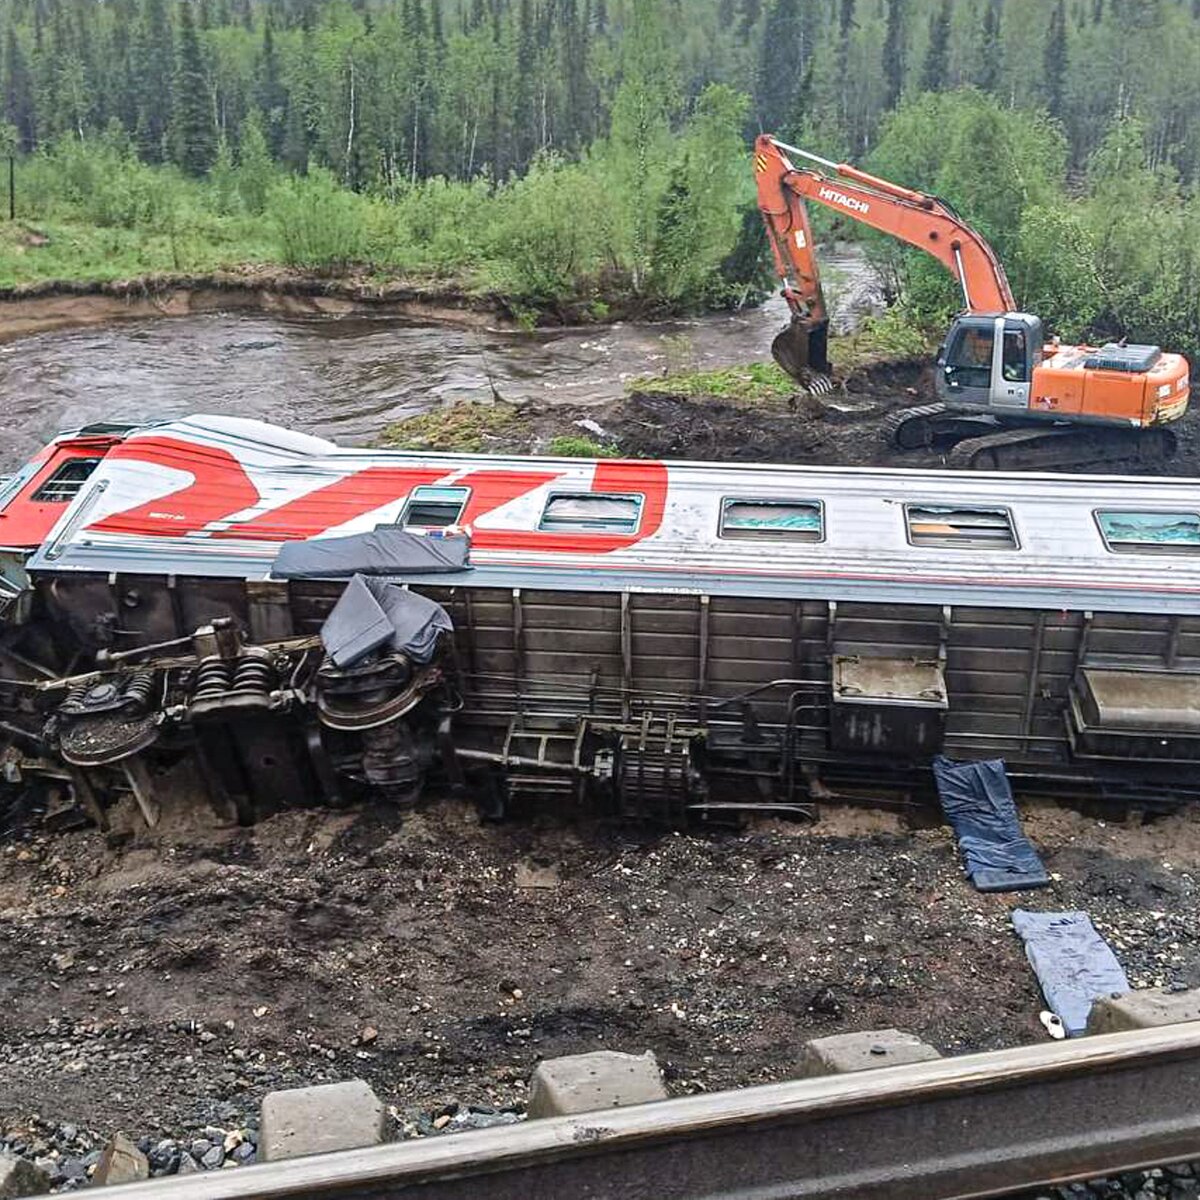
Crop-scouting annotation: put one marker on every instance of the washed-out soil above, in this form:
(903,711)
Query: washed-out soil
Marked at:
(166,983)
(845,428)
(294,292)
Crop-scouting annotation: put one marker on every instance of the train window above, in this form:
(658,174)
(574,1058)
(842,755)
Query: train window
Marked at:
(775,520)
(65,483)
(435,507)
(1151,532)
(591,512)
(935,525)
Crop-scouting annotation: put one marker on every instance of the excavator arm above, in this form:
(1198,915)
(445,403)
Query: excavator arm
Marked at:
(912,217)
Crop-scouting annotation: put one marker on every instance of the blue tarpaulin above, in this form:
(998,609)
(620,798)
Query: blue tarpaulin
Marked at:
(978,803)
(1073,963)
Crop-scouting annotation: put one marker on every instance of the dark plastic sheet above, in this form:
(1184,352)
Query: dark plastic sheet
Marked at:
(978,802)
(383,551)
(1073,963)
(372,613)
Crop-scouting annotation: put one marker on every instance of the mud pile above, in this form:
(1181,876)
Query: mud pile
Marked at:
(845,428)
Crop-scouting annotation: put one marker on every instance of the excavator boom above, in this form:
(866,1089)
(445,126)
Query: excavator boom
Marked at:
(912,217)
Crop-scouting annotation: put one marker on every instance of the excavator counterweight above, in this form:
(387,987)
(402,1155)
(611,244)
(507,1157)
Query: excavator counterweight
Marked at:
(1006,398)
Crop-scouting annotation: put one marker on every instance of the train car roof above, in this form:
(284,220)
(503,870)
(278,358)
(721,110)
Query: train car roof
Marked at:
(217,496)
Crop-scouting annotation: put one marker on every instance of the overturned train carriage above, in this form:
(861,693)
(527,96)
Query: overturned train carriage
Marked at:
(669,641)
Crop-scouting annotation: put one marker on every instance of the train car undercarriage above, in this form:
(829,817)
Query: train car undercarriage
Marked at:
(666,708)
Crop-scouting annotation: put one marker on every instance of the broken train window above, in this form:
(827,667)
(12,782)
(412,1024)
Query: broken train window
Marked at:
(773,520)
(435,507)
(954,526)
(1150,532)
(66,482)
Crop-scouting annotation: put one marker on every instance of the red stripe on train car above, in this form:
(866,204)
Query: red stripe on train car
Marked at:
(219,486)
(334,504)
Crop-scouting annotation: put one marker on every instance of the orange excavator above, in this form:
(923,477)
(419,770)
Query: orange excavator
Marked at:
(1006,398)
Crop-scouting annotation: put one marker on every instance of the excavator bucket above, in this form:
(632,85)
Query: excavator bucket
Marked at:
(802,350)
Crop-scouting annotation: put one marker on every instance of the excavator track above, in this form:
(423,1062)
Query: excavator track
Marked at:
(931,425)
(1076,446)
(979,442)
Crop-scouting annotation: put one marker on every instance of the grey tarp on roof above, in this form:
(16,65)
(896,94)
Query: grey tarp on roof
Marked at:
(1073,963)
(372,613)
(383,551)
(978,803)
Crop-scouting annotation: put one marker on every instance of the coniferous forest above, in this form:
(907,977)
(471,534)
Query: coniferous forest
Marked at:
(567,149)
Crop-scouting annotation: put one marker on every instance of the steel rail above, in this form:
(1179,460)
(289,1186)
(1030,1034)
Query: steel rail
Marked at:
(975,1126)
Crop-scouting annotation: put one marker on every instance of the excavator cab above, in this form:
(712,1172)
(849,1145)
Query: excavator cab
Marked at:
(987,362)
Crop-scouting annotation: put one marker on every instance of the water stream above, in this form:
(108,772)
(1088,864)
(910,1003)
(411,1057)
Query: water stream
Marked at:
(347,378)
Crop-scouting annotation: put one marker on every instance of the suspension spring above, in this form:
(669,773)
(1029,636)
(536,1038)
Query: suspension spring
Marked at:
(254,675)
(139,689)
(212,679)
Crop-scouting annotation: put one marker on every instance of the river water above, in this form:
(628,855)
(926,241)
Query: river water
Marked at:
(346,378)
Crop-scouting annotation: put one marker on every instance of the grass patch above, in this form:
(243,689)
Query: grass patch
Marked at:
(54,250)
(467,428)
(568,446)
(752,382)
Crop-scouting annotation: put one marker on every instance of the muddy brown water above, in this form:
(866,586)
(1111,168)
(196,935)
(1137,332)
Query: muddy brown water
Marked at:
(346,378)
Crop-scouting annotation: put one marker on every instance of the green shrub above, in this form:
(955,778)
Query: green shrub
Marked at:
(317,222)
(549,231)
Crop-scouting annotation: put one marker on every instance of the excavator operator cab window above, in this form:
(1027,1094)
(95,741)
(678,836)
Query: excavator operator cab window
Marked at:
(1014,365)
(969,356)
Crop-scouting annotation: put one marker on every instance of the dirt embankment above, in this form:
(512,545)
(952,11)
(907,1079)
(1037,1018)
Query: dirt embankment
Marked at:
(39,308)
(165,984)
(282,291)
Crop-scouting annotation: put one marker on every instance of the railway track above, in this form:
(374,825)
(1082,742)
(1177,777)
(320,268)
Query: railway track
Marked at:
(976,1126)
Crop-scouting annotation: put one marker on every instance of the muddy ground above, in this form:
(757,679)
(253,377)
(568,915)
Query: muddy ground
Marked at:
(844,428)
(167,983)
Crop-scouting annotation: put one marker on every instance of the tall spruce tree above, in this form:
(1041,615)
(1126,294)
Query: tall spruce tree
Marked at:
(192,127)
(19,110)
(153,62)
(1054,61)
(936,67)
(751,11)
(437,29)
(989,66)
(524,125)
(782,61)
(272,95)
(573,56)
(894,53)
